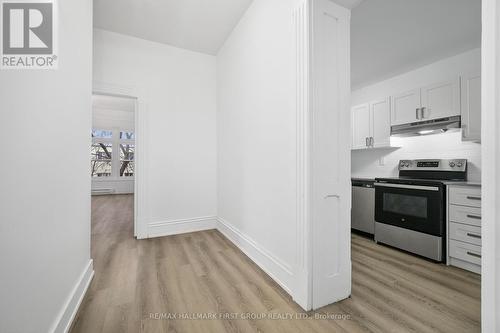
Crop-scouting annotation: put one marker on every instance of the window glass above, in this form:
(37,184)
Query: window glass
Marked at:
(126,160)
(100,159)
(103,134)
(127,135)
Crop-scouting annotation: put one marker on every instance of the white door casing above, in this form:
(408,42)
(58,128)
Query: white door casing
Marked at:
(330,153)
(490,155)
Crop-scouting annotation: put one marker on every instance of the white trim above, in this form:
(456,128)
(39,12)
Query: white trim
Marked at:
(490,101)
(70,308)
(302,105)
(278,270)
(182,226)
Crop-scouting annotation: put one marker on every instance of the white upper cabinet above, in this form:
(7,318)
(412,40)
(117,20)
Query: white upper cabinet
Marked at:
(405,107)
(371,126)
(360,126)
(381,123)
(471,107)
(440,100)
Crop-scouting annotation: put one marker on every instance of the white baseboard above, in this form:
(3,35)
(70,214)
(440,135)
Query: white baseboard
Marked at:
(175,227)
(280,272)
(70,308)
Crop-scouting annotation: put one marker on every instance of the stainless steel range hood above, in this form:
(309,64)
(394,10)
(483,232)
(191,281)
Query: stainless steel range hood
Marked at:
(426,127)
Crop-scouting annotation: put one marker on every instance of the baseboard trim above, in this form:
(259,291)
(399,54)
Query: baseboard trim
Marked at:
(175,227)
(70,308)
(280,272)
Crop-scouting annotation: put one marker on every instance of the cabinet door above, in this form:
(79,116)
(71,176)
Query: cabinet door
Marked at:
(381,122)
(441,100)
(471,107)
(360,126)
(405,107)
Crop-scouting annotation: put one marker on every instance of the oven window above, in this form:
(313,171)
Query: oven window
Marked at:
(408,205)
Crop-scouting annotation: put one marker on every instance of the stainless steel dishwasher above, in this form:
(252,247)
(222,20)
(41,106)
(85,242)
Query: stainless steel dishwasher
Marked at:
(363,205)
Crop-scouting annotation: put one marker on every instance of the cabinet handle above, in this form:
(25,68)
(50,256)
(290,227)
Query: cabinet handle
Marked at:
(473,235)
(366,141)
(474,217)
(416,113)
(372,141)
(474,198)
(474,254)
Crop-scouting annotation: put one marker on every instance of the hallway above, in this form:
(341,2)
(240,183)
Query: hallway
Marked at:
(139,286)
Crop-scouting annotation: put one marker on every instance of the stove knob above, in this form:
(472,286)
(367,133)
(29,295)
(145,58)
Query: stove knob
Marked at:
(459,164)
(452,164)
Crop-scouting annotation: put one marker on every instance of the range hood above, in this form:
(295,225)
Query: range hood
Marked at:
(426,127)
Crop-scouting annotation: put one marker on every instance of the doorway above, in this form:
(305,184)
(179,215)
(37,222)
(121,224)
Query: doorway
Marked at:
(401,83)
(112,153)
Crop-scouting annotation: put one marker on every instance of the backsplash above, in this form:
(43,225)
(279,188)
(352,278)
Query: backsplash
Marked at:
(367,163)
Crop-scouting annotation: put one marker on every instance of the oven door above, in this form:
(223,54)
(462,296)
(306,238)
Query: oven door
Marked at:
(414,207)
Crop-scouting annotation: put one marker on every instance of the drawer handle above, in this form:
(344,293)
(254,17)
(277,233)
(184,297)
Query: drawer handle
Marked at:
(473,235)
(474,254)
(474,198)
(474,217)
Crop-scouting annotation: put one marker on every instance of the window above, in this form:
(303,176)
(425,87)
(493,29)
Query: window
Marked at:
(126,160)
(101,156)
(112,153)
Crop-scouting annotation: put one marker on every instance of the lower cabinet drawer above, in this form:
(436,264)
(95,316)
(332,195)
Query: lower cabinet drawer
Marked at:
(465,233)
(465,251)
(463,214)
(465,196)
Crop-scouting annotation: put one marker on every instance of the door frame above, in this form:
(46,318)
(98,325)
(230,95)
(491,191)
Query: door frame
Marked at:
(108,89)
(490,158)
(312,266)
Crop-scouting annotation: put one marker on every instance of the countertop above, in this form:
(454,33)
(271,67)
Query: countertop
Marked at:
(363,179)
(466,183)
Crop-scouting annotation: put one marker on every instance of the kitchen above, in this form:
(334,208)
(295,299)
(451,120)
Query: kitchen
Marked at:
(416,134)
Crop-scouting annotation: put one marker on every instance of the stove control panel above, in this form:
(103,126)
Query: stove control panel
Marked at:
(459,165)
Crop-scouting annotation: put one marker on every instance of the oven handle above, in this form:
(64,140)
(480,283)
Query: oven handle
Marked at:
(411,187)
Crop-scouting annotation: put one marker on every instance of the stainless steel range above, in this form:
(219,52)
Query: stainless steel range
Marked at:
(410,210)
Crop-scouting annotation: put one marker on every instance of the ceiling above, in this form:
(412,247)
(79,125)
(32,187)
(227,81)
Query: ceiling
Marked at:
(390,37)
(197,25)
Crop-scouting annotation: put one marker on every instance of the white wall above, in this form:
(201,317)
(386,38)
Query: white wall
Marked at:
(45,201)
(256,130)
(367,163)
(176,90)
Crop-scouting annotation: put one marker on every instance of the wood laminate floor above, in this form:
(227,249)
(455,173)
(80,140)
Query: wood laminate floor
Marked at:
(139,286)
